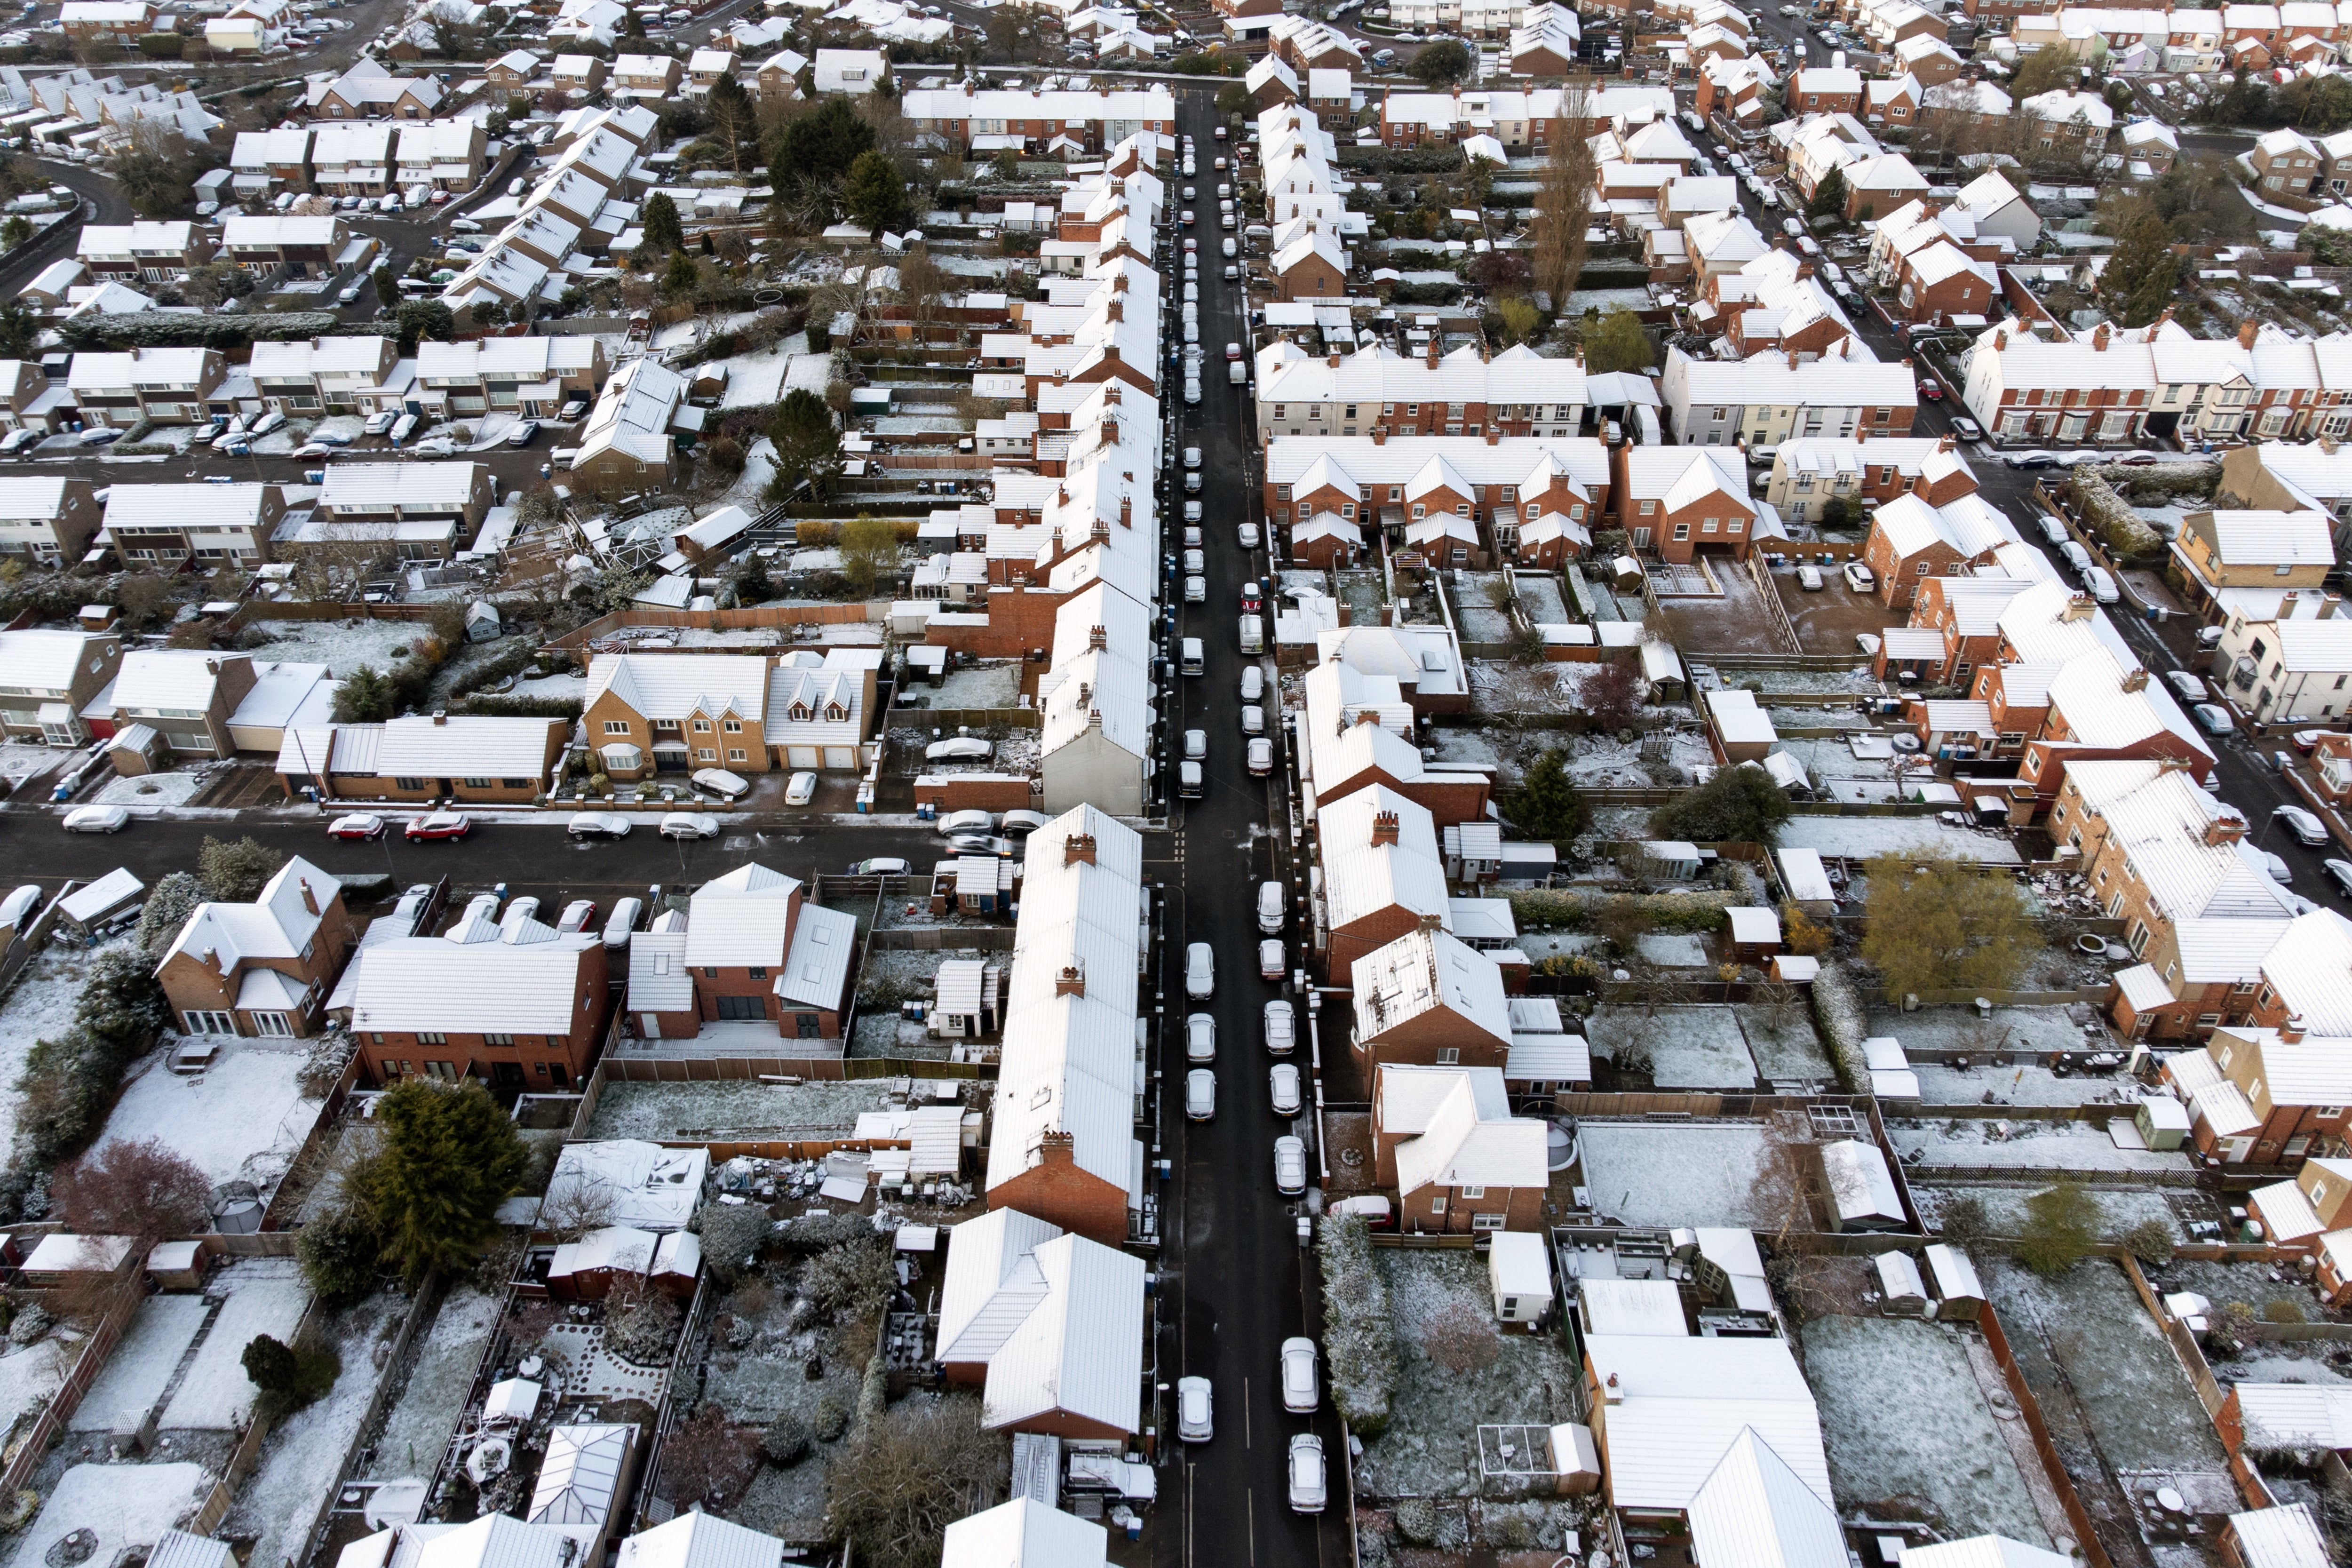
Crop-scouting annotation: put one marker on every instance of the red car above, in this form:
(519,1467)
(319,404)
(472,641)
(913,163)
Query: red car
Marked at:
(439,825)
(358,825)
(1251,602)
(1931,389)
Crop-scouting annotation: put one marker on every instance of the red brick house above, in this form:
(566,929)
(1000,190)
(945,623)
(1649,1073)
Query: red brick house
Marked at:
(753,952)
(1312,267)
(2262,1097)
(264,968)
(1681,499)
(1430,1000)
(521,1007)
(1445,1140)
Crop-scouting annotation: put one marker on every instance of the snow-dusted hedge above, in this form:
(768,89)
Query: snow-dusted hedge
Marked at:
(1562,909)
(1356,1343)
(2125,533)
(1838,1012)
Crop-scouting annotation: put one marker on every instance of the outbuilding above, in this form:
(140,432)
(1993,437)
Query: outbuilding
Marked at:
(1861,1188)
(1522,1275)
(1952,1279)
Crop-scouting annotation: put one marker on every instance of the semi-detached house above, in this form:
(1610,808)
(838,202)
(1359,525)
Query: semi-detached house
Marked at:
(458,494)
(1776,398)
(166,386)
(48,678)
(446,154)
(165,527)
(306,375)
(142,251)
(269,244)
(48,519)
(533,376)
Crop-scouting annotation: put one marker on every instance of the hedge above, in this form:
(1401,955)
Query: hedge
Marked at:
(522,707)
(171,329)
(1558,909)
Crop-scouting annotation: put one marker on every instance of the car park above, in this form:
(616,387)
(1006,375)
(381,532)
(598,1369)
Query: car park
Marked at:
(97,819)
(1200,1095)
(2213,718)
(1200,971)
(2306,828)
(1858,577)
(1195,1409)
(1272,963)
(1300,1391)
(801,790)
(690,825)
(360,825)
(597,824)
(435,825)
(1200,1037)
(1289,1166)
(721,783)
(1282,1083)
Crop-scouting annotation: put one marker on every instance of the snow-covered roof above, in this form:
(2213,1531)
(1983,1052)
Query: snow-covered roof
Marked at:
(743,917)
(1756,1509)
(642,1186)
(699,1540)
(1463,1134)
(1675,1406)
(1424,970)
(1023,1533)
(580,1480)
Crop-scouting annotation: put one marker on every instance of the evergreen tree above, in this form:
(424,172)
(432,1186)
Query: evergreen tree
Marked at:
(1617,343)
(1829,197)
(1446,60)
(874,194)
(236,871)
(734,123)
(657,222)
(170,902)
(451,1157)
(367,698)
(1740,804)
(680,276)
(269,1365)
(823,146)
(806,443)
(752,583)
(2142,273)
(426,319)
(1546,804)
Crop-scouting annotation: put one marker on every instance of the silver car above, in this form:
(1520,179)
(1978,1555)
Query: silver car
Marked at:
(1300,1393)
(1195,1409)
(690,825)
(1200,1037)
(1200,1095)
(1199,972)
(1307,1494)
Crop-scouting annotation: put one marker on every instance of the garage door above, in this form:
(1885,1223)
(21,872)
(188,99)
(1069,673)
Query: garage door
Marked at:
(800,757)
(841,758)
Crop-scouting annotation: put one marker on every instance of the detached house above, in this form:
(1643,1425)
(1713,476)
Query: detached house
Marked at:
(1444,1139)
(757,953)
(517,1005)
(264,968)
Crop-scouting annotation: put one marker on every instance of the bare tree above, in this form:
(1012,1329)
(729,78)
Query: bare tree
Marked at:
(143,1189)
(1564,197)
(1460,1339)
(579,1206)
(707,1459)
(908,1474)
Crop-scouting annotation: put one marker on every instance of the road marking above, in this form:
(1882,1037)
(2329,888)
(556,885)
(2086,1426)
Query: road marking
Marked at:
(1252,1497)
(1246,1413)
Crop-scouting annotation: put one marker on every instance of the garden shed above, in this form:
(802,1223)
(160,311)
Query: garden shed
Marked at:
(1861,1188)
(1951,1278)
(1521,1276)
(1902,1293)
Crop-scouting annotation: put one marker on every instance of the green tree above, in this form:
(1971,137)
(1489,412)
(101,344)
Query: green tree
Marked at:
(1829,197)
(1233,98)
(2142,273)
(156,169)
(15,231)
(869,547)
(170,902)
(1937,924)
(1007,164)
(1520,317)
(752,583)
(822,146)
(340,1251)
(270,1366)
(1740,804)
(18,328)
(2049,69)
(734,124)
(1546,804)
(679,278)
(387,285)
(1443,62)
(491,312)
(1617,343)
(235,872)
(367,698)
(659,229)
(427,320)
(2060,1225)
(807,445)
(874,194)
(451,1157)
(2321,105)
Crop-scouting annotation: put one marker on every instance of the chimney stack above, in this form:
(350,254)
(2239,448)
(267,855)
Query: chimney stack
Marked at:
(2136,679)
(1076,848)
(1384,828)
(2079,607)
(2099,339)
(440,716)
(1070,982)
(1379,434)
(1127,511)
(2291,1031)
(2224,830)
(309,898)
(1097,637)
(2246,331)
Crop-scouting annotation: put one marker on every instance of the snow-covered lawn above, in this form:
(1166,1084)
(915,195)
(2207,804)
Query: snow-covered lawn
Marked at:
(1942,1085)
(2025,1146)
(1784,1044)
(1430,1446)
(1905,1424)
(421,1420)
(122,1505)
(1699,1173)
(19,761)
(141,1368)
(2292,1362)
(241,1118)
(29,1375)
(1696,1047)
(1673,949)
(571,686)
(342,646)
(265,1296)
(304,1455)
(1860,838)
(2008,1029)
(2006,1213)
(663,1110)
(175,788)
(41,1008)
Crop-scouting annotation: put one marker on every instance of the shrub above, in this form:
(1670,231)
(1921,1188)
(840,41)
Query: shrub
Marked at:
(786,1441)
(641,1325)
(732,1236)
(339,1253)
(1737,806)
(706,1458)
(1356,1337)
(236,872)
(830,1420)
(2060,1225)
(2282,1310)
(139,1189)
(1964,1222)
(170,902)
(2150,1241)
(851,1280)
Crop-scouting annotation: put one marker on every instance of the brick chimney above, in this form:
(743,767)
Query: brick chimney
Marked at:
(1054,1148)
(1493,436)
(2224,830)
(2001,339)
(2079,607)
(1384,828)
(310,899)
(2099,339)
(1115,312)
(1432,352)
(2136,679)
(440,716)
(2291,1031)
(1127,511)
(2246,331)
(1792,357)
(1097,637)
(1379,434)
(1070,982)
(1076,848)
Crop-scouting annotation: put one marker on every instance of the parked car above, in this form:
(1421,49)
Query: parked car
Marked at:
(1808,578)
(1252,719)
(2030,459)
(1261,757)
(801,790)
(1199,972)
(2281,872)
(377,424)
(1195,1409)
(524,434)
(1196,589)
(1249,536)
(2188,686)
(1858,577)
(2308,740)
(1282,1079)
(1281,1028)
(101,435)
(879,866)
(1200,1037)
(1272,963)
(1022,824)
(1253,597)
(2306,828)
(577,915)
(1300,1393)
(1931,389)
(1273,907)
(721,783)
(2213,718)
(982,844)
(97,819)
(1289,1166)
(1196,745)
(1200,1095)
(1966,428)
(574,408)
(1191,457)
(2340,873)
(597,824)
(360,825)
(438,825)
(690,825)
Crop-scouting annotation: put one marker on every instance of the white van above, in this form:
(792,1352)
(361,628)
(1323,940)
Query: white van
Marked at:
(1253,683)
(1253,635)
(2101,584)
(1188,657)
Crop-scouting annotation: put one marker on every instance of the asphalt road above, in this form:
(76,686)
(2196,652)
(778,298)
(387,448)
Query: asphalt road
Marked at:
(1239,1283)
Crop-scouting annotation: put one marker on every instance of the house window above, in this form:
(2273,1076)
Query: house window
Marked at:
(617,726)
(1449,1055)
(1488,1221)
(757,972)
(1437,1204)
(702,726)
(201,1022)
(476,783)
(431,1037)
(408,783)
(1474,1193)
(733,726)
(706,755)
(504,1042)
(737,755)
(1682,530)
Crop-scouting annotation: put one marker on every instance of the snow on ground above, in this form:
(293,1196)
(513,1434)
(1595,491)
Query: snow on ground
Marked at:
(2141,1410)
(1602,762)
(122,1505)
(1784,1043)
(1860,838)
(243,1117)
(2304,1361)
(264,1295)
(40,1007)
(1431,1445)
(2025,1145)
(19,761)
(664,1110)
(2008,1029)
(570,686)
(1688,1046)
(141,1368)
(342,646)
(29,1375)
(175,788)
(1941,1085)
(1905,1423)
(425,1415)
(303,1456)
(1694,1175)
(2006,1213)
(975,686)
(1673,949)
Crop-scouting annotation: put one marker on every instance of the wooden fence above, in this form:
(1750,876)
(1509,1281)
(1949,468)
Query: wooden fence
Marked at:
(28,941)
(2086,1536)
(327,610)
(780,617)
(943,939)
(916,716)
(45,1430)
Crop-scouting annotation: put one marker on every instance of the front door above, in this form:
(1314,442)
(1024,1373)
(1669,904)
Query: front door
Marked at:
(2235,1150)
(507,1075)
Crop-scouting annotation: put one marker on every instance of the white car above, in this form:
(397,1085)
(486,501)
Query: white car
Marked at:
(2188,688)
(2340,873)
(690,825)
(880,866)
(1300,1393)
(2281,872)
(959,749)
(1231,250)
(721,783)
(1022,824)
(97,819)
(1200,1095)
(1196,745)
(1261,757)
(577,916)
(801,790)
(1281,1029)
(598,825)
(1249,536)
(1196,589)
(1289,1166)
(1200,1037)
(1199,972)
(1252,719)
(1193,1409)
(1196,562)
(359,825)
(2306,828)
(1858,577)
(1282,1079)
(2213,718)
(1191,457)
(1271,961)
(1307,1494)
(1808,578)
